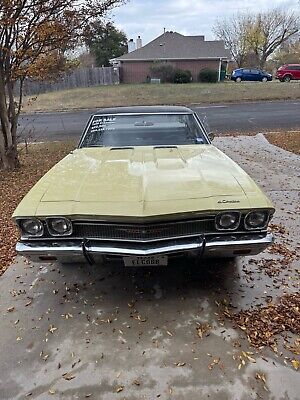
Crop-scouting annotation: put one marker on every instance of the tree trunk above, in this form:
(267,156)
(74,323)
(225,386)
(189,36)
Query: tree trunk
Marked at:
(262,61)
(8,126)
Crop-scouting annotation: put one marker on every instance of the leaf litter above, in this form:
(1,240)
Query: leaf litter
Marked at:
(263,324)
(35,162)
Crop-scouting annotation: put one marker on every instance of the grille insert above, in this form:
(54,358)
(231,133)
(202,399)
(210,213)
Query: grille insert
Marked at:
(137,232)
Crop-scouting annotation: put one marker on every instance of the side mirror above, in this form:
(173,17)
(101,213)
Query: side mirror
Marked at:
(211,136)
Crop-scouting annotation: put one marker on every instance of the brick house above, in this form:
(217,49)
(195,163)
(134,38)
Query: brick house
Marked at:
(191,53)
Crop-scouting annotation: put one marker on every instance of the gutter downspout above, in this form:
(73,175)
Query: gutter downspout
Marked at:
(220,65)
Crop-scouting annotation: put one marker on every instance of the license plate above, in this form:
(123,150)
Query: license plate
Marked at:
(145,261)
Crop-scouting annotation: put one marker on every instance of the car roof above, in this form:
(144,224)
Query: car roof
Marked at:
(248,68)
(290,65)
(144,110)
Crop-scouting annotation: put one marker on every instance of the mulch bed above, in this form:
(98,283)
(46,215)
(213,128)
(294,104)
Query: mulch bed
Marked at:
(36,160)
(289,141)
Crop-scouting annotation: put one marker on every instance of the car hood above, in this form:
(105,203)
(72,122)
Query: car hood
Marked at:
(143,181)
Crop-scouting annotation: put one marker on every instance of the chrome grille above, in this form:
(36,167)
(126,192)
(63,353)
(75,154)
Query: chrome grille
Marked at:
(137,232)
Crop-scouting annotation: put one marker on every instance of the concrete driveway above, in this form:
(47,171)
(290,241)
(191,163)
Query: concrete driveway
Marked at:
(103,332)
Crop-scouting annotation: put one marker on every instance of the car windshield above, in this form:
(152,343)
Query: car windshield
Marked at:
(121,130)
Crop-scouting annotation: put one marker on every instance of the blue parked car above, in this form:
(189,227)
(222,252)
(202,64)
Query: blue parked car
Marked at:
(246,74)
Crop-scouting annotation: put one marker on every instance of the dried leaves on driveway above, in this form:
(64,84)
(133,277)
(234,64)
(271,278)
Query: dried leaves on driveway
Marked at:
(35,162)
(261,325)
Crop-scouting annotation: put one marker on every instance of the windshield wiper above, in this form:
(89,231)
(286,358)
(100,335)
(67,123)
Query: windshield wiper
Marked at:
(122,148)
(165,147)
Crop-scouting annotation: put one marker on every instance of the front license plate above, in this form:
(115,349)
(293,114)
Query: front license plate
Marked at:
(145,261)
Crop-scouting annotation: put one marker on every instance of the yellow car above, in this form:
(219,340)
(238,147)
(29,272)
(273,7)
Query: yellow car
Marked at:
(145,184)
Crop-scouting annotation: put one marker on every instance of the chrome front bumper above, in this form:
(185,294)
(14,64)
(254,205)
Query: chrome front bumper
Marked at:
(94,250)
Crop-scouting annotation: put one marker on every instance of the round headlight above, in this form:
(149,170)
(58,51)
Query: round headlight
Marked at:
(59,226)
(32,227)
(228,220)
(256,219)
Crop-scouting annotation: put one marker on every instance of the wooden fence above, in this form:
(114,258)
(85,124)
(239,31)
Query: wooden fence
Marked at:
(83,77)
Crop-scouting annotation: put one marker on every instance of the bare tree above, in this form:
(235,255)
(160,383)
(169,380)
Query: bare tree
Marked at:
(257,34)
(33,36)
(288,53)
(270,30)
(233,31)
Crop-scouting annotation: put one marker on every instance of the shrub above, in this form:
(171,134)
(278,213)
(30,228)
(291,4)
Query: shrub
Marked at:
(164,72)
(182,76)
(208,75)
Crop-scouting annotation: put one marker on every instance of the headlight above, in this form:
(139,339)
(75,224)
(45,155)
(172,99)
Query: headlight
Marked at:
(256,219)
(31,227)
(228,220)
(59,226)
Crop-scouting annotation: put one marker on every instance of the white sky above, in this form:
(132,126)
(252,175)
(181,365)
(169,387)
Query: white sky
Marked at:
(188,17)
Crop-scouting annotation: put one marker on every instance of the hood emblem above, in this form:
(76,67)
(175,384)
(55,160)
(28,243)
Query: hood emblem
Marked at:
(228,201)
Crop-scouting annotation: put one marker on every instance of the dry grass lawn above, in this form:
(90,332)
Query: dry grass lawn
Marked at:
(195,93)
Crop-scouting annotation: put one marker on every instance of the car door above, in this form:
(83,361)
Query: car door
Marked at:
(255,75)
(297,72)
(246,75)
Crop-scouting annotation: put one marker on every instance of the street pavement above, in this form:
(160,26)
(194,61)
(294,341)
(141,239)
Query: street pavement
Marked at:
(106,332)
(242,117)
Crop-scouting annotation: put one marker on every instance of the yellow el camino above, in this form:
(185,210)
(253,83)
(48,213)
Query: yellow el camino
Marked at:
(145,184)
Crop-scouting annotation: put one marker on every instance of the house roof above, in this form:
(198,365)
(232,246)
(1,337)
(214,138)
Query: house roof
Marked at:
(173,45)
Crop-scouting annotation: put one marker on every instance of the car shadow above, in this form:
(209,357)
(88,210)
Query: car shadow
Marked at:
(181,278)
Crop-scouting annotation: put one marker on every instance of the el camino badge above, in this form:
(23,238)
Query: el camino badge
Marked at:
(228,201)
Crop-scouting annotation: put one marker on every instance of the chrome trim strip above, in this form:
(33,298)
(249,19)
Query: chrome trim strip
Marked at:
(71,250)
(145,113)
(219,233)
(202,127)
(172,248)
(65,249)
(267,240)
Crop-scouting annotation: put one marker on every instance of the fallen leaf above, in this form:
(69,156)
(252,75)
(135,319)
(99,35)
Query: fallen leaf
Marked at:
(68,377)
(52,329)
(260,376)
(119,389)
(203,330)
(296,364)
